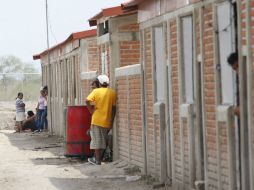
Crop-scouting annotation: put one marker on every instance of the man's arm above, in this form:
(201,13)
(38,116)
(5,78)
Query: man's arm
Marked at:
(89,106)
(91,98)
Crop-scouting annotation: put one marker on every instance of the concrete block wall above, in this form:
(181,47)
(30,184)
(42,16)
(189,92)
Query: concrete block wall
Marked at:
(122,49)
(65,74)
(91,67)
(217,137)
(104,48)
(219,157)
(152,121)
(128,87)
(64,78)
(129,120)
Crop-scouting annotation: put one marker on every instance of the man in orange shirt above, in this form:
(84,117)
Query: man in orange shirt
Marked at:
(103,114)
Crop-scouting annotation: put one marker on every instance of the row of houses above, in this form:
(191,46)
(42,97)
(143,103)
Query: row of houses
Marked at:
(167,60)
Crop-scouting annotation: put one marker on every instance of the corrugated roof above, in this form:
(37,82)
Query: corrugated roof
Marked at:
(109,12)
(72,37)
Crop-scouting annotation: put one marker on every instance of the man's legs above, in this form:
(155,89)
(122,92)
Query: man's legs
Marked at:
(98,143)
(97,153)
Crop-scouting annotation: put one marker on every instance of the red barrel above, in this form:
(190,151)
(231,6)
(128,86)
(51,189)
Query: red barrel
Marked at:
(77,141)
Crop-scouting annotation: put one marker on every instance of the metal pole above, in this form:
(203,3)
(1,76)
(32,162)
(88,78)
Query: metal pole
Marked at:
(47,23)
(49,89)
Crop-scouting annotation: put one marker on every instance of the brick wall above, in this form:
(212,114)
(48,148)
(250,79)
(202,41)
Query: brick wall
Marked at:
(134,27)
(122,119)
(223,145)
(149,101)
(135,119)
(129,120)
(243,21)
(129,53)
(209,98)
(152,127)
(85,89)
(216,134)
(93,65)
(177,165)
(252,68)
(186,153)
(129,49)
(93,56)
(107,49)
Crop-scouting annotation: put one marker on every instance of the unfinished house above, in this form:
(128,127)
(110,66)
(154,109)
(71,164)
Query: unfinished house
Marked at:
(90,65)
(118,42)
(192,139)
(64,75)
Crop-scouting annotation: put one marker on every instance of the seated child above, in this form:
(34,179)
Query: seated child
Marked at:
(30,123)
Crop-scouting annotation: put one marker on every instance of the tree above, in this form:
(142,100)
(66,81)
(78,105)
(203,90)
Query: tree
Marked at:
(29,68)
(16,76)
(10,64)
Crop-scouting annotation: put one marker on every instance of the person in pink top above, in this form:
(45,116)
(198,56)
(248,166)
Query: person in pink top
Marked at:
(41,107)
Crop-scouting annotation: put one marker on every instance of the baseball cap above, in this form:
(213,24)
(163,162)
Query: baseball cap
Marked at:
(103,79)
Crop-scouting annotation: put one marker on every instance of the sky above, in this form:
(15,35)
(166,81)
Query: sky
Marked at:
(23,28)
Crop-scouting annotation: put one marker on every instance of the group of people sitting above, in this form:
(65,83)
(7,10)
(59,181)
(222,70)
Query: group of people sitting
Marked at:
(34,122)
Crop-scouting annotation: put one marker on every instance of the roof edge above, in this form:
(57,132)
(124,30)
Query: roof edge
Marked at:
(110,12)
(72,37)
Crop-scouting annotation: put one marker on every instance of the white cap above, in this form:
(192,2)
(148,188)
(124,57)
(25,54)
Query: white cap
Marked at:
(41,88)
(103,79)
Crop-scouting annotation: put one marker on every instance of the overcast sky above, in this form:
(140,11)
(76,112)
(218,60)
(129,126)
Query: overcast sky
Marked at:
(23,28)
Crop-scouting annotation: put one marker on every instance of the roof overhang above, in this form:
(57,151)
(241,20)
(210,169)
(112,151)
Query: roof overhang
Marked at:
(72,37)
(131,4)
(109,12)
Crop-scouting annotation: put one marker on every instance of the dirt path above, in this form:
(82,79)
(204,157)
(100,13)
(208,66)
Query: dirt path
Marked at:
(36,162)
(26,165)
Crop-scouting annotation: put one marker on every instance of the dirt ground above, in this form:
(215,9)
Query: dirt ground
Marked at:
(7,111)
(36,162)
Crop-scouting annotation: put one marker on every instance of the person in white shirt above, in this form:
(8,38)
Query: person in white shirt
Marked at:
(20,112)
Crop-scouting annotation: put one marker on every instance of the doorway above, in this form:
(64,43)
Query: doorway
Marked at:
(229,93)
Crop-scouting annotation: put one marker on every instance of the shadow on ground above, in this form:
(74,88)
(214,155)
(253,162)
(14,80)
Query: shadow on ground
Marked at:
(46,153)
